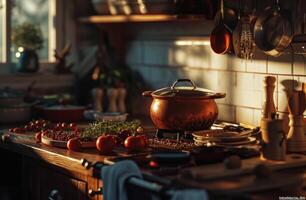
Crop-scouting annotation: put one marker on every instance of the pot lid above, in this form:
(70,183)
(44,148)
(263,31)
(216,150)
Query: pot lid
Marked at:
(186,91)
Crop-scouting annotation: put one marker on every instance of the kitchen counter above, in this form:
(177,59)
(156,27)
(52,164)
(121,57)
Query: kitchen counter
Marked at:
(63,171)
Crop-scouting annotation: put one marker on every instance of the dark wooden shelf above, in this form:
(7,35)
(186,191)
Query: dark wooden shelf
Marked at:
(100,19)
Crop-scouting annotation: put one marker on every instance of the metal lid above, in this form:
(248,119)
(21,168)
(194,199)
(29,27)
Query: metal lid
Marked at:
(186,91)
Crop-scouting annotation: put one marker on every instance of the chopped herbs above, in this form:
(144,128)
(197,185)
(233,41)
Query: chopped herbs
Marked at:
(99,128)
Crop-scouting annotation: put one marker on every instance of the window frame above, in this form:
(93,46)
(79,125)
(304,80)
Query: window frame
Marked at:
(55,19)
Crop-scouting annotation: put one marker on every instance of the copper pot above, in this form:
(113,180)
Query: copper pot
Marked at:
(183,108)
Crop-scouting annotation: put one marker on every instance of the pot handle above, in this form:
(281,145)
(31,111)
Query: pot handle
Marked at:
(183,80)
(147,93)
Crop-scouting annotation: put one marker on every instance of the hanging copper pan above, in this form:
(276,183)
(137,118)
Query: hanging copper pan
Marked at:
(221,36)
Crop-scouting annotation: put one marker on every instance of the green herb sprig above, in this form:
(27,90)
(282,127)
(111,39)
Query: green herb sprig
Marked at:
(99,128)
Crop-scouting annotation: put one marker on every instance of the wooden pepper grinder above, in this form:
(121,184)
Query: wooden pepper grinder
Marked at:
(296,135)
(269,106)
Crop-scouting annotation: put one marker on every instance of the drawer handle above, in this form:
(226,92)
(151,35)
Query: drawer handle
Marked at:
(55,195)
(93,193)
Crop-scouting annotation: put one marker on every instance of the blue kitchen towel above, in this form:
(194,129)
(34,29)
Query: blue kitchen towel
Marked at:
(114,178)
(189,194)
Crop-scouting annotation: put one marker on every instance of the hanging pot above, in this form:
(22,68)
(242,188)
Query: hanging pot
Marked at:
(273,31)
(28,61)
(183,108)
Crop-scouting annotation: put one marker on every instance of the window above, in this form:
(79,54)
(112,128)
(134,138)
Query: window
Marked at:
(35,12)
(38,12)
(1,30)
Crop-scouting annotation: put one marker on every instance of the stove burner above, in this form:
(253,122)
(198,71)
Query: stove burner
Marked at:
(186,135)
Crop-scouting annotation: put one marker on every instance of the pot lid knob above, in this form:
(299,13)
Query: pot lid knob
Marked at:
(183,80)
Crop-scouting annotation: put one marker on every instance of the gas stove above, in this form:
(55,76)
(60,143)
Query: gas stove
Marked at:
(183,140)
(186,135)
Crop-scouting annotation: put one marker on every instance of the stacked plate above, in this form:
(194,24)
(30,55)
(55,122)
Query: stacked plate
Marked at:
(220,137)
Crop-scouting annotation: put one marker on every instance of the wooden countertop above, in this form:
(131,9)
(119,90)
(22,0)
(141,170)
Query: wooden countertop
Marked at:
(69,160)
(25,144)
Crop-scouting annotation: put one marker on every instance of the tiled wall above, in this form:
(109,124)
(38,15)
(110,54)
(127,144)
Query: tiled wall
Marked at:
(156,55)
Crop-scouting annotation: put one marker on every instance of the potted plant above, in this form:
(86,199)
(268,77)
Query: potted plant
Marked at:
(27,38)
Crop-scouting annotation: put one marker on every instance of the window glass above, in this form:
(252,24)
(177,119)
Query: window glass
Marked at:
(1,31)
(35,12)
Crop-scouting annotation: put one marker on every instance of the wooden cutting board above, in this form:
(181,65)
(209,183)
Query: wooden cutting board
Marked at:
(63,144)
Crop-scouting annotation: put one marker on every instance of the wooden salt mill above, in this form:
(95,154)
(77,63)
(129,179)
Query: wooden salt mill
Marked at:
(273,135)
(273,139)
(296,135)
(269,106)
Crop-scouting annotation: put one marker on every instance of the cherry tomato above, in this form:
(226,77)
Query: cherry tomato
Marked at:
(58,127)
(18,130)
(134,143)
(44,133)
(105,144)
(72,126)
(63,125)
(74,144)
(38,137)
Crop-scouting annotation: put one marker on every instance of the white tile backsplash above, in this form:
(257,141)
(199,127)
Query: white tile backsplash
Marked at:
(226,112)
(280,65)
(162,61)
(245,115)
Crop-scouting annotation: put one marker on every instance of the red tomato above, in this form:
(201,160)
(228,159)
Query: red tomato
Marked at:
(105,144)
(38,137)
(144,139)
(74,144)
(134,143)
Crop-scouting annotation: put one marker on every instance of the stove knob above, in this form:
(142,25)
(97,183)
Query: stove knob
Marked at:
(55,195)
(93,193)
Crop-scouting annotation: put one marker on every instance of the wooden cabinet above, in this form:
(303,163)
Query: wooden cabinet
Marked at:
(41,181)
(35,170)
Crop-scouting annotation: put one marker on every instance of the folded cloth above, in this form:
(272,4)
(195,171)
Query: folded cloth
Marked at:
(114,178)
(189,194)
